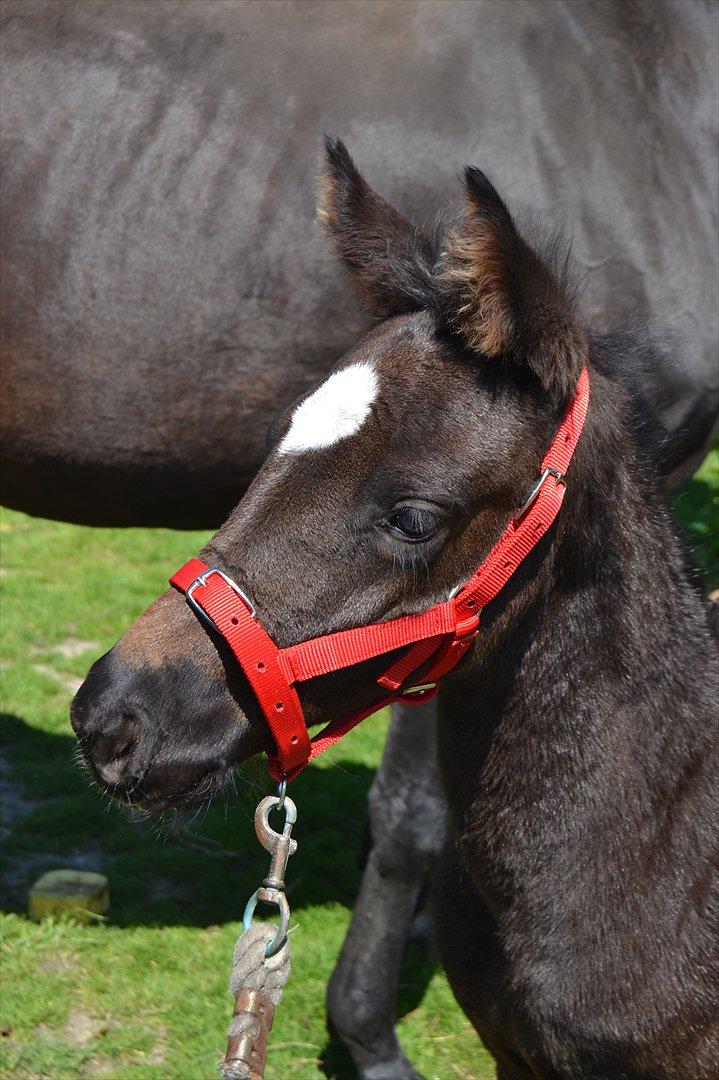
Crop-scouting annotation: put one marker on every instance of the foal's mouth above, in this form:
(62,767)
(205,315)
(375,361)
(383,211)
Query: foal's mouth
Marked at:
(157,797)
(196,796)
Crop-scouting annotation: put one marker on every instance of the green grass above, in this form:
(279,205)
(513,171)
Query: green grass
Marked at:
(144,994)
(697,508)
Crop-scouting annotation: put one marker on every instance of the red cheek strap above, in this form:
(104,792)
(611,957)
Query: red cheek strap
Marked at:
(218,600)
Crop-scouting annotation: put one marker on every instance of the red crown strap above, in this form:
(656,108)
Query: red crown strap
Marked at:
(564,443)
(526,530)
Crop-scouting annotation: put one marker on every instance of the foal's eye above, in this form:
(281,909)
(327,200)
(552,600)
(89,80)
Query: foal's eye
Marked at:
(412,523)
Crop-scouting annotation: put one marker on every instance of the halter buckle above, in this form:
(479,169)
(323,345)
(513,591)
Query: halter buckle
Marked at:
(421,691)
(537,487)
(201,580)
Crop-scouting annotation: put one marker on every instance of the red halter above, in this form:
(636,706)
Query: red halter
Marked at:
(442,633)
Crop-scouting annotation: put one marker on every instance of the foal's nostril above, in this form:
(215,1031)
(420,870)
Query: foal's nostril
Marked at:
(124,750)
(114,751)
(115,770)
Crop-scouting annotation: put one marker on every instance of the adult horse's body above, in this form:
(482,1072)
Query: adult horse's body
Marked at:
(577,908)
(162,297)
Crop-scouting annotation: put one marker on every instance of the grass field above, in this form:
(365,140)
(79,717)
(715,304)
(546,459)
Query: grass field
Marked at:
(144,994)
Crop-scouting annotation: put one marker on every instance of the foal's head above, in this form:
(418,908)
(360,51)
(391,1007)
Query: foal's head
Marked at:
(382,490)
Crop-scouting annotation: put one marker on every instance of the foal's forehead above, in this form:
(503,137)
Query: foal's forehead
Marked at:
(375,371)
(335,410)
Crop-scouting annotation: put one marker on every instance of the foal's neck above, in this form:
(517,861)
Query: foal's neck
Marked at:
(581,708)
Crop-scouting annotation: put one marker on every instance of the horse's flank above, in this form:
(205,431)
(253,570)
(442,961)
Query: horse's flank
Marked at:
(162,295)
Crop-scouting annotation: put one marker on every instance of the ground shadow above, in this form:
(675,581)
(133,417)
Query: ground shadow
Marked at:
(53,817)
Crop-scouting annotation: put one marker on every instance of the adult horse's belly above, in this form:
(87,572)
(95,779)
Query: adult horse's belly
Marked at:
(164,292)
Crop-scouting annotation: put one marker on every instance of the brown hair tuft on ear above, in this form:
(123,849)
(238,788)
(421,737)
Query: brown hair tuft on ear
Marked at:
(474,270)
(502,297)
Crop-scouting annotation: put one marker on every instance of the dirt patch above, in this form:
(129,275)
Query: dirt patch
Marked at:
(71,647)
(67,682)
(99,1067)
(81,1028)
(57,963)
(102,1067)
(76,647)
(158,1054)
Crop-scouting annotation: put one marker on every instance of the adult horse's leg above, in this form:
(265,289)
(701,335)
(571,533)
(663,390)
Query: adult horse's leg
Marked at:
(406,821)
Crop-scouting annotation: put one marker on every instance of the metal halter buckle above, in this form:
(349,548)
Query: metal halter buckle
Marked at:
(559,477)
(202,580)
(420,690)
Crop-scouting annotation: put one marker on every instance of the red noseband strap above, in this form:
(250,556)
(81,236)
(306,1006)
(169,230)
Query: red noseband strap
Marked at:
(440,635)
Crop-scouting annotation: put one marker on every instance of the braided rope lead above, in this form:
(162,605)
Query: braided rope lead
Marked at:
(257,982)
(261,963)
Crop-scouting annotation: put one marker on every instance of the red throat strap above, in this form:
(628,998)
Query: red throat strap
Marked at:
(440,635)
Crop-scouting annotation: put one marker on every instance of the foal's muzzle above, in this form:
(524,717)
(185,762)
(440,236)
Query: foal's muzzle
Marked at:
(158,734)
(114,730)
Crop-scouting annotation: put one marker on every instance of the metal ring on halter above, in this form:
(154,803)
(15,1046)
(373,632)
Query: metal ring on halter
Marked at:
(537,487)
(280,900)
(281,793)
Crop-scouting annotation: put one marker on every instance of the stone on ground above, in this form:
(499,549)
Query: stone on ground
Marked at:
(80,893)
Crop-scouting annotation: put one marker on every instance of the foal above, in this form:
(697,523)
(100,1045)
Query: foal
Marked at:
(576,903)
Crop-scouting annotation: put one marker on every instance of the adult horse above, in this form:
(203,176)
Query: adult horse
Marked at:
(161,295)
(577,904)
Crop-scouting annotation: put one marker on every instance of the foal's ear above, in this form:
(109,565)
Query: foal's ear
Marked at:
(502,297)
(388,259)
